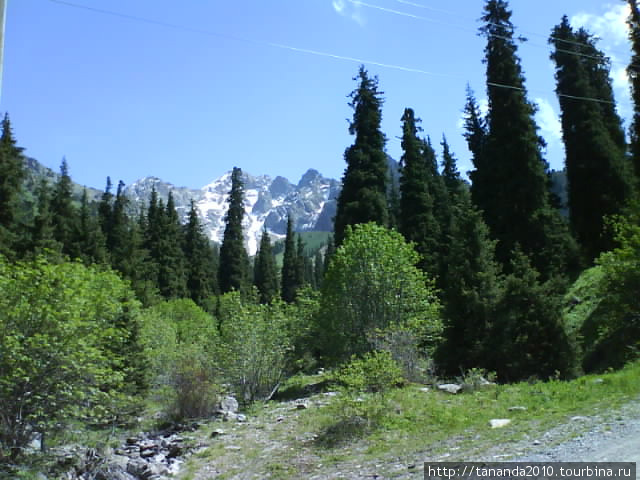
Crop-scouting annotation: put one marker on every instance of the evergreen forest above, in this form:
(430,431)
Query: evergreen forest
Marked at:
(105,313)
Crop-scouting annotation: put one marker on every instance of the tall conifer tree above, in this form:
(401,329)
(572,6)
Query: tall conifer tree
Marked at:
(62,209)
(597,174)
(510,180)
(11,176)
(266,277)
(364,185)
(471,288)
(233,272)
(634,76)
(200,260)
(417,220)
(171,263)
(290,270)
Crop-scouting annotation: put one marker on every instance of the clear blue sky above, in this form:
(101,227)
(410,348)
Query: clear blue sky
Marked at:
(129,99)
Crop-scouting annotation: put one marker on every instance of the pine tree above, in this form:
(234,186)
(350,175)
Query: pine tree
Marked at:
(42,235)
(290,269)
(450,174)
(88,243)
(510,181)
(318,268)
(266,277)
(364,185)
(199,260)
(471,289)
(417,220)
(597,176)
(63,211)
(233,272)
(476,133)
(171,263)
(527,335)
(11,176)
(634,76)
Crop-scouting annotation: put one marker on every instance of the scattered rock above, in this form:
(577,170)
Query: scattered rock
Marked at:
(228,405)
(537,442)
(280,419)
(452,388)
(579,418)
(301,406)
(217,432)
(241,418)
(598,380)
(499,422)
(518,408)
(425,389)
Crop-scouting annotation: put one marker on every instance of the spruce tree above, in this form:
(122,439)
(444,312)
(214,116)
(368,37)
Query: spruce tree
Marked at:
(471,289)
(42,233)
(88,243)
(200,262)
(318,268)
(364,185)
(233,272)
(63,211)
(290,268)
(527,336)
(450,175)
(510,182)
(171,263)
(634,76)
(597,175)
(417,220)
(265,276)
(11,176)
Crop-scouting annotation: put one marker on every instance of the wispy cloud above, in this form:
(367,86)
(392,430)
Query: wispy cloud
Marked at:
(349,9)
(611,26)
(548,121)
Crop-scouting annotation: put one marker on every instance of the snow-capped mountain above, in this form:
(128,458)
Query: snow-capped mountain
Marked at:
(267,201)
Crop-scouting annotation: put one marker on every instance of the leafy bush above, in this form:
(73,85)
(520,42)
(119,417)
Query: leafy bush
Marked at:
(373,283)
(363,386)
(252,354)
(403,343)
(68,349)
(612,333)
(181,340)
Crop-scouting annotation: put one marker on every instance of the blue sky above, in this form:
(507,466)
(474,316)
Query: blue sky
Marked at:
(215,84)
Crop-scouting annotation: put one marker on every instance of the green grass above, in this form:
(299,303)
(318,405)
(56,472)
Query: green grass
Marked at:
(415,421)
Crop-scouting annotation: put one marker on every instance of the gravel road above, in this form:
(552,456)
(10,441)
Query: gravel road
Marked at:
(613,437)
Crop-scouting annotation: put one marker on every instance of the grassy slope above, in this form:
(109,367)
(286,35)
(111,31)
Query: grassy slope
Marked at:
(283,442)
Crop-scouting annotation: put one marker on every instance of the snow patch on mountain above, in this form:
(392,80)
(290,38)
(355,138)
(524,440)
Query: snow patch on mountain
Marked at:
(267,203)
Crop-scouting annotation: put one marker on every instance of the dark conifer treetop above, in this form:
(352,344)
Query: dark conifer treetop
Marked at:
(364,192)
(598,176)
(233,273)
(634,77)
(510,180)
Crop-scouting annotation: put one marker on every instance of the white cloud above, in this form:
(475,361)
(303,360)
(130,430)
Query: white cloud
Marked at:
(548,121)
(350,9)
(611,26)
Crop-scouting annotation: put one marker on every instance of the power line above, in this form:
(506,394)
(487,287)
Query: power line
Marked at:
(526,32)
(493,35)
(294,48)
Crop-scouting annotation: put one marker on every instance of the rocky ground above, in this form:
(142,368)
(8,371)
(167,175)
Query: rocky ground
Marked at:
(269,444)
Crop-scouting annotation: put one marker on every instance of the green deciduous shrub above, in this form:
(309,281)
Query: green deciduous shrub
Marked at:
(373,283)
(69,348)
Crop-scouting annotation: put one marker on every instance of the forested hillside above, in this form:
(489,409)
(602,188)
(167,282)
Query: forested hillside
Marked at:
(108,316)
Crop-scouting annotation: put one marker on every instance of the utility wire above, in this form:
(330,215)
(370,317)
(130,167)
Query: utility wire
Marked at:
(446,12)
(493,35)
(296,49)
